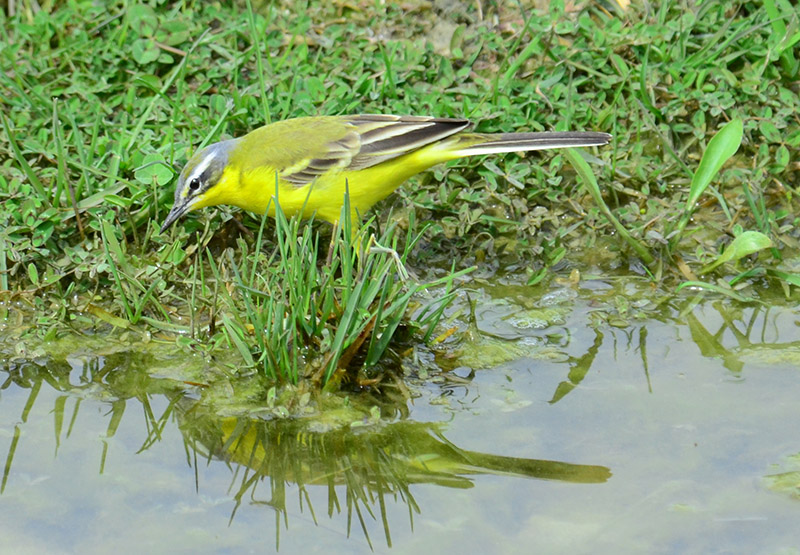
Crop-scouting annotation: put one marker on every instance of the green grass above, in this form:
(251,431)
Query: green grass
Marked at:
(102,103)
(310,318)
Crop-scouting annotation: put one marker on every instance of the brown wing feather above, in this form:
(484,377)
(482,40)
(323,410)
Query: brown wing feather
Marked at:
(338,153)
(374,139)
(387,137)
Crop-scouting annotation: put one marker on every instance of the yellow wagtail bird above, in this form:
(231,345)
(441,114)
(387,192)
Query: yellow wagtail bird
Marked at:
(313,160)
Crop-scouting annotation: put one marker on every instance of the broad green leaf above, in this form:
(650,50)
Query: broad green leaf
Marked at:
(745,244)
(144,51)
(720,148)
(143,19)
(33,274)
(154,167)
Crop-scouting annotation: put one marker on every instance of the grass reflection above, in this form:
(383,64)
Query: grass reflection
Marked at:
(363,465)
(362,468)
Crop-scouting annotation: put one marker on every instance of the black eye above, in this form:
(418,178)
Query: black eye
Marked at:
(194,184)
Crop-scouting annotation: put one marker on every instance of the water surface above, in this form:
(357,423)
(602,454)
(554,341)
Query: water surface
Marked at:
(597,417)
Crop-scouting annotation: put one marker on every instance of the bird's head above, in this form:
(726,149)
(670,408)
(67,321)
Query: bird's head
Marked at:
(202,173)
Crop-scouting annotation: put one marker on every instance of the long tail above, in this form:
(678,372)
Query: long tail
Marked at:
(472,144)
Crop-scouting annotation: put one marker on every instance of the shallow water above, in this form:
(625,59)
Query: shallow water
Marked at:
(602,417)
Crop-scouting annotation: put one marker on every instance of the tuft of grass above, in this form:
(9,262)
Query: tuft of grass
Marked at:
(786,34)
(297,317)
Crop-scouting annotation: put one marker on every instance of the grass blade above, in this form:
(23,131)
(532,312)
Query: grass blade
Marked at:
(23,164)
(590,184)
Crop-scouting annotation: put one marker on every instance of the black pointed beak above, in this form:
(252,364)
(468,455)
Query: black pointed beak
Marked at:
(175,214)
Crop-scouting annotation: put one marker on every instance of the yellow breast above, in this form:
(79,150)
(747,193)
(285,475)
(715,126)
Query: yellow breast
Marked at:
(254,189)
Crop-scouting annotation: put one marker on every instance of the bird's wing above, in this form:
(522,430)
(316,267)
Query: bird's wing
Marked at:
(370,140)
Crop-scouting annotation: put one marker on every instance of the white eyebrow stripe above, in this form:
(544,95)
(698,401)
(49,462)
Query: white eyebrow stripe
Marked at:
(202,166)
